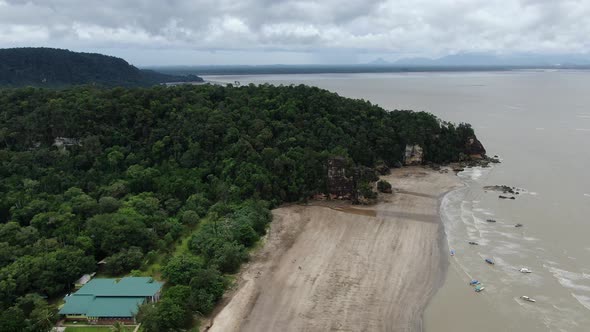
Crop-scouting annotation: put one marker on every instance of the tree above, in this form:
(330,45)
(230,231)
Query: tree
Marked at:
(124,261)
(181,269)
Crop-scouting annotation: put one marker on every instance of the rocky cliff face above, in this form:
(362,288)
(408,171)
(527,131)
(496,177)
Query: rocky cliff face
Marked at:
(474,148)
(340,180)
(414,155)
(346,181)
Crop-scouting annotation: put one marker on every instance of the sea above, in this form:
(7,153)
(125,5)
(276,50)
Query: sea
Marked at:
(538,123)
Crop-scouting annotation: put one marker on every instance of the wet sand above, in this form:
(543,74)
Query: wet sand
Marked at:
(328,266)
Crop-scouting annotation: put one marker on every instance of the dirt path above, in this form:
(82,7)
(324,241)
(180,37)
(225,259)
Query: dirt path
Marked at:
(339,268)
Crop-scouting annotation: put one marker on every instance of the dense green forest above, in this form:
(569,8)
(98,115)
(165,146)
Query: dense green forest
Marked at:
(133,176)
(50,67)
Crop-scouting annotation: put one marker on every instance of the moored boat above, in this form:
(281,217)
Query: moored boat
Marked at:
(525,270)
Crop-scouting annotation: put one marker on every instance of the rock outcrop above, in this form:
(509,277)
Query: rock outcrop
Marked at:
(346,181)
(340,179)
(414,155)
(382,169)
(474,148)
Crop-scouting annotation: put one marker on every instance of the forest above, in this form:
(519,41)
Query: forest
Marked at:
(176,183)
(50,67)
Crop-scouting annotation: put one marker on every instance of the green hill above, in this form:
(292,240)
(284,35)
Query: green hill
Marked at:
(127,175)
(49,67)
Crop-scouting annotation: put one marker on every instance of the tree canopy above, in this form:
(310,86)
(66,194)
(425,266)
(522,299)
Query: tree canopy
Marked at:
(88,173)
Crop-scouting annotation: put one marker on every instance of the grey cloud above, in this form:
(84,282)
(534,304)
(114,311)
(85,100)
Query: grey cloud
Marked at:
(424,27)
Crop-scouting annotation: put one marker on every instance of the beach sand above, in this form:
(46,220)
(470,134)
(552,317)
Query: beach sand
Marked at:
(329,266)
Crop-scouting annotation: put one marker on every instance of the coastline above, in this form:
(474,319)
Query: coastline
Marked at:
(328,266)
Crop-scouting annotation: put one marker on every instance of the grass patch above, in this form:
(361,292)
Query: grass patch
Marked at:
(154,269)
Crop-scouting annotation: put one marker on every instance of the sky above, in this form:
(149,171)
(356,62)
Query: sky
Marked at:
(207,32)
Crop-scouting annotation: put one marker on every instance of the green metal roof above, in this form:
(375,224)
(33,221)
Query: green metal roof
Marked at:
(114,306)
(128,286)
(76,305)
(110,297)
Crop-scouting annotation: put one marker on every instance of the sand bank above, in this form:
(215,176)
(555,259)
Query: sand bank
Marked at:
(332,267)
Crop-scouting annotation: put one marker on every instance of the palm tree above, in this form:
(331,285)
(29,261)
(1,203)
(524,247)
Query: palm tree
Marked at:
(45,318)
(118,327)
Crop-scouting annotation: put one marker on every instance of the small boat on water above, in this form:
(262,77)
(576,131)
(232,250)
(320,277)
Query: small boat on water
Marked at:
(491,220)
(518,225)
(473,243)
(474,282)
(525,270)
(489,261)
(452,252)
(479,288)
(526,298)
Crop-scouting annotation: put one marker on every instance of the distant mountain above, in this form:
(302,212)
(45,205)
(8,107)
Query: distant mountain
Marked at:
(379,62)
(485,59)
(51,67)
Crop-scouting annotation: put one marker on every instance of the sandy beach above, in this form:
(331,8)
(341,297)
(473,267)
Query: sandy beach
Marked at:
(330,266)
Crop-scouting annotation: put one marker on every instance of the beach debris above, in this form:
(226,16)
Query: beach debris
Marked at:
(474,282)
(489,261)
(491,220)
(479,288)
(452,252)
(525,270)
(526,298)
(473,243)
(518,225)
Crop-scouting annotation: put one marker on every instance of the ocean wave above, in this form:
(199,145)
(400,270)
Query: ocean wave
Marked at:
(583,300)
(473,173)
(569,279)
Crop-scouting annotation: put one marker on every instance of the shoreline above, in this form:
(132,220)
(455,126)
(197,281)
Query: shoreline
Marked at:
(331,266)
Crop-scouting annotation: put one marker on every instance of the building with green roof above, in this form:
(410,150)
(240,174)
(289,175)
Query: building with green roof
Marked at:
(111,299)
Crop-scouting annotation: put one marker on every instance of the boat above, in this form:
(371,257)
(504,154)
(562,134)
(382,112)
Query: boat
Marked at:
(452,252)
(479,288)
(491,220)
(473,243)
(526,298)
(525,270)
(489,261)
(518,225)
(474,282)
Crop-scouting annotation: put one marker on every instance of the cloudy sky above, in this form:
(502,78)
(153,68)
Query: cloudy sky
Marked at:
(166,32)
